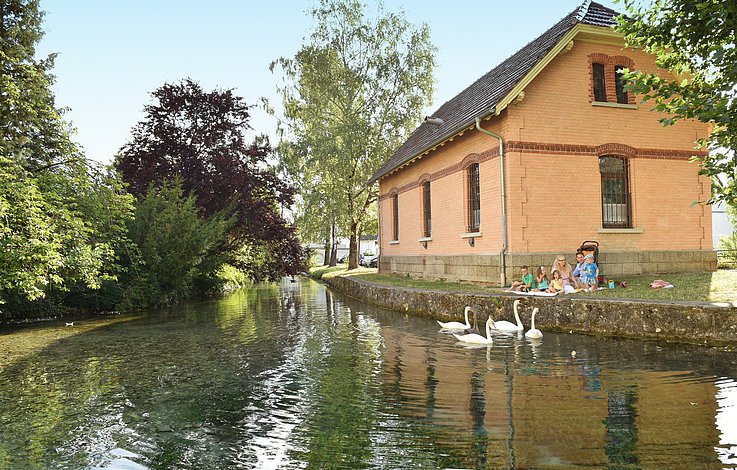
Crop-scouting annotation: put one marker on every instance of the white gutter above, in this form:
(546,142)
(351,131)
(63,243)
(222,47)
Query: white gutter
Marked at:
(502,255)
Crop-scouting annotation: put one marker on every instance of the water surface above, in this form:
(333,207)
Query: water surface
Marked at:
(294,376)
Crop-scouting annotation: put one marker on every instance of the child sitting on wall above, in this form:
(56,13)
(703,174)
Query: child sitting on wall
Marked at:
(526,284)
(541,280)
(556,283)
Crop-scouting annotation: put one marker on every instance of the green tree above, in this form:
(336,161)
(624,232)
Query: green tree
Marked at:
(177,247)
(201,136)
(728,243)
(60,217)
(352,94)
(320,213)
(696,41)
(58,229)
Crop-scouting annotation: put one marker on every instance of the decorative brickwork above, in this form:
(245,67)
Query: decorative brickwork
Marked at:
(554,149)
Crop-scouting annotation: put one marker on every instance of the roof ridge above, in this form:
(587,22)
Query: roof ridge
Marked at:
(582,10)
(510,56)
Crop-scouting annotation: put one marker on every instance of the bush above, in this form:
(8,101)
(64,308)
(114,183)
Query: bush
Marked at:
(177,249)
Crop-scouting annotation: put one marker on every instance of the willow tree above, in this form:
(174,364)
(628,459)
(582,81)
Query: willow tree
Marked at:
(352,94)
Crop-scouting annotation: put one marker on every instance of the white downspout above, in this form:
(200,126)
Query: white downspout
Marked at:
(502,255)
(378,231)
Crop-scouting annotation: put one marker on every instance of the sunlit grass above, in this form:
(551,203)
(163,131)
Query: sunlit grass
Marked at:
(320,272)
(718,286)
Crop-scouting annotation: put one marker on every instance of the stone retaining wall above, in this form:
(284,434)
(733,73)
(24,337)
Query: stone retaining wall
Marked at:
(485,268)
(690,322)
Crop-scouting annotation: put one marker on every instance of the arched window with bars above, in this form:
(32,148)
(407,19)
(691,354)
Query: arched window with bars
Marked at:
(616,200)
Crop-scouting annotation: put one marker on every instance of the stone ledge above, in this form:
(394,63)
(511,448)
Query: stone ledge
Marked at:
(685,322)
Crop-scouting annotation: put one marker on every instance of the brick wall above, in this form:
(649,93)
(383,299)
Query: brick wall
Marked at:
(554,137)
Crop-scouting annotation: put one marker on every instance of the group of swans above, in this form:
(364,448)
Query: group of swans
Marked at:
(503,325)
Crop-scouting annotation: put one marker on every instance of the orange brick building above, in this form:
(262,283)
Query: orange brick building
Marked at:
(579,158)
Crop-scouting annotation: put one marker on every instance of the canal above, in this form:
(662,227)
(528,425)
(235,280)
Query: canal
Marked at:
(295,376)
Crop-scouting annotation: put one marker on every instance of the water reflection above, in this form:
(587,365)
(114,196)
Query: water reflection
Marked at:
(292,376)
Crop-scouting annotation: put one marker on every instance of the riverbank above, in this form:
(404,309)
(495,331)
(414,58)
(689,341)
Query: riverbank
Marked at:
(703,323)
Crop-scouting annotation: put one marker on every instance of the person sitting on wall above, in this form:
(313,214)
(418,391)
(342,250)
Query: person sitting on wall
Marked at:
(526,284)
(570,284)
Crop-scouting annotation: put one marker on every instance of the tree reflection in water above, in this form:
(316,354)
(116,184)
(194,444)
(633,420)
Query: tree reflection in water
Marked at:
(294,376)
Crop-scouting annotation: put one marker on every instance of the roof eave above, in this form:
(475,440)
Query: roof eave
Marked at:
(588,32)
(448,136)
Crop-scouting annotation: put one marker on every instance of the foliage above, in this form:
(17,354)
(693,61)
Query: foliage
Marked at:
(58,229)
(201,138)
(696,41)
(32,132)
(728,243)
(351,95)
(61,218)
(177,246)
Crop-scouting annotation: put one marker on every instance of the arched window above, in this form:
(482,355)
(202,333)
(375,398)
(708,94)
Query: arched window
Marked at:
(426,210)
(620,83)
(474,198)
(616,207)
(395,217)
(599,82)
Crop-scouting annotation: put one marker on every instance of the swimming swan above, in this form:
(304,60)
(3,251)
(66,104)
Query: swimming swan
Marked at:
(533,333)
(478,339)
(504,325)
(454,325)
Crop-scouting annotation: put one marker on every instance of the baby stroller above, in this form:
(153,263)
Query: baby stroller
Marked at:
(592,247)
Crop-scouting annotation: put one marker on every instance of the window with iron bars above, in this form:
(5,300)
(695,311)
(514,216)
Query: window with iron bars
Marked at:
(427,214)
(395,217)
(616,201)
(474,198)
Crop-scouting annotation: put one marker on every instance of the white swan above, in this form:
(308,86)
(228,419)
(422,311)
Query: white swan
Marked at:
(533,333)
(504,325)
(478,339)
(454,325)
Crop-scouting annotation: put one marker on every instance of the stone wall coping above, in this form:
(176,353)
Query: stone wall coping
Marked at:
(705,323)
(512,295)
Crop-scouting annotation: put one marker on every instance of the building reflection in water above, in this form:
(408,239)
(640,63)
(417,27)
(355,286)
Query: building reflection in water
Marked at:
(520,405)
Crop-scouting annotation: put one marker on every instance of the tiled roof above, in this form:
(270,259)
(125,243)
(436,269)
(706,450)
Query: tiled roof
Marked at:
(479,98)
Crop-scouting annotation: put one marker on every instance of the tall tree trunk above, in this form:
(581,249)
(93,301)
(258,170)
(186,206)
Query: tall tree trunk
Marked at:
(326,252)
(355,235)
(334,247)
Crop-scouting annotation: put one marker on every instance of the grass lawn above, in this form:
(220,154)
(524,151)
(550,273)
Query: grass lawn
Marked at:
(718,286)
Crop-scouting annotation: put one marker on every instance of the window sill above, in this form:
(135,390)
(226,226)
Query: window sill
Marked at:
(424,239)
(619,230)
(471,234)
(394,242)
(608,104)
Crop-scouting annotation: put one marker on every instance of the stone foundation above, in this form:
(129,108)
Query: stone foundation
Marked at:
(690,322)
(485,268)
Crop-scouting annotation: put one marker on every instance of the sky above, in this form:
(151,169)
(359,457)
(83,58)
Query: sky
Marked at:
(112,54)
